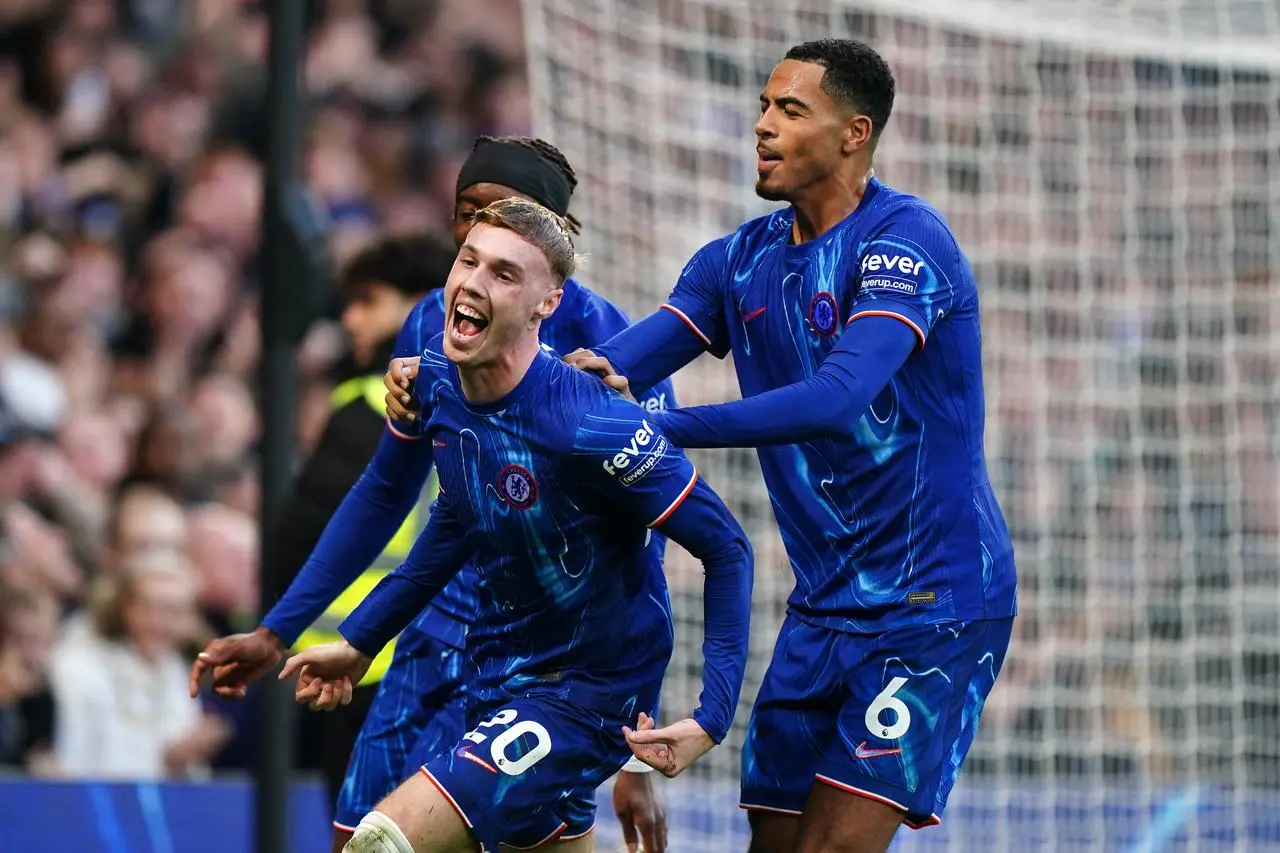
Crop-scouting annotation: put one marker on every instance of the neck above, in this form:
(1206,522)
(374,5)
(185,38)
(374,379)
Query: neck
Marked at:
(826,203)
(494,380)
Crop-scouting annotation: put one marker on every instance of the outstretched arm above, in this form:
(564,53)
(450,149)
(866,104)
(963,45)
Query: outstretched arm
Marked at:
(912,275)
(364,523)
(349,441)
(367,518)
(825,405)
(649,351)
(437,556)
(328,672)
(690,323)
(372,511)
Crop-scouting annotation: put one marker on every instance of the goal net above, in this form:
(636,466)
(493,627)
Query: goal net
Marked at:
(1112,170)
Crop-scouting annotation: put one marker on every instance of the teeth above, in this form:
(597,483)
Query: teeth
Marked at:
(469,313)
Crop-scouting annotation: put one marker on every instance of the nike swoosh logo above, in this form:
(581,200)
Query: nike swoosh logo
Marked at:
(863,752)
(465,752)
(748,316)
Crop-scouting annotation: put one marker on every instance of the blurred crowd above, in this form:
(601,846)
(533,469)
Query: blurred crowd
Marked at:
(131,169)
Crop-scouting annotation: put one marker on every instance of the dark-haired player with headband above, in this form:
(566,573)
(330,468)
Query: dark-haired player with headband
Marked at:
(419,706)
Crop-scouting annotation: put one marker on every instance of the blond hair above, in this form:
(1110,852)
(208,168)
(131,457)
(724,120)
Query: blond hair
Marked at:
(542,227)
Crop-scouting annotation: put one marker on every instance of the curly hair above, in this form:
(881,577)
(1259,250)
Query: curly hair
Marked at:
(553,156)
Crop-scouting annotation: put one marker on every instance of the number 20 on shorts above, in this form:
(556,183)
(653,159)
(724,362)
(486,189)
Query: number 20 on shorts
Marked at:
(502,741)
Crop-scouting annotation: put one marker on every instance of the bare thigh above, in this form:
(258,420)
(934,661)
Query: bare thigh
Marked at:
(836,821)
(773,832)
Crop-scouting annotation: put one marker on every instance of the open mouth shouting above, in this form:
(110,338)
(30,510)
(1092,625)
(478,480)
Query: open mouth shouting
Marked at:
(467,324)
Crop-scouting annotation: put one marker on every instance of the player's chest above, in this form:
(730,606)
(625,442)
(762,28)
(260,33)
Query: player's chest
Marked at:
(499,482)
(786,314)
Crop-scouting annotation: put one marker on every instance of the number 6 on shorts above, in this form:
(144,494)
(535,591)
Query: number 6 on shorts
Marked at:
(886,701)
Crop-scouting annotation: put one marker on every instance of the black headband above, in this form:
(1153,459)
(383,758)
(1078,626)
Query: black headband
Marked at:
(523,169)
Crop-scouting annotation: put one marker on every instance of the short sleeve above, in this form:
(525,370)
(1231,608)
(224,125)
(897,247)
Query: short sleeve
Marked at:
(699,297)
(911,270)
(624,455)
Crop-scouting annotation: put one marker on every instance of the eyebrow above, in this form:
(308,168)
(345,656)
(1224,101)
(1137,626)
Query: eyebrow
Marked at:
(510,266)
(495,263)
(784,102)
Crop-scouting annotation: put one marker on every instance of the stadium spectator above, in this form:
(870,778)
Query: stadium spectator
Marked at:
(119,678)
(226,420)
(37,554)
(145,519)
(28,628)
(222,544)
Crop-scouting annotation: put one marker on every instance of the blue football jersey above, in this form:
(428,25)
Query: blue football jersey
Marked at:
(583,319)
(896,523)
(553,489)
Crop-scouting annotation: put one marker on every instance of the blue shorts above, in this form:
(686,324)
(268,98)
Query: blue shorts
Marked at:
(418,712)
(528,773)
(887,716)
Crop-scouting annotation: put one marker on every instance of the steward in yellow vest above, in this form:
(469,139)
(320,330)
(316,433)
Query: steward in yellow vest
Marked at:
(369,391)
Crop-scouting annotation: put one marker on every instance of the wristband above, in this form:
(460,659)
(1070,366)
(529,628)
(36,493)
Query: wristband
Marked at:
(635,765)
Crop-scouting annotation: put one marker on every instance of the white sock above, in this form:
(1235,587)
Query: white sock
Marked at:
(378,833)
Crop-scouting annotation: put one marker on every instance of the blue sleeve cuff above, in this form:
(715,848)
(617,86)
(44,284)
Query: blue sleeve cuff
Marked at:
(715,728)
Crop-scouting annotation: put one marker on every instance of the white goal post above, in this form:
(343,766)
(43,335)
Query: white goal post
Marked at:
(1112,170)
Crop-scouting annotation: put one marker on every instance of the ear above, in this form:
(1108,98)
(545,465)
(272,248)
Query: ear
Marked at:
(857,133)
(548,305)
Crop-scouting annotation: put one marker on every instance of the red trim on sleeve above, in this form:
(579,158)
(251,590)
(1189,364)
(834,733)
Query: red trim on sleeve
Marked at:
(684,493)
(895,315)
(693,327)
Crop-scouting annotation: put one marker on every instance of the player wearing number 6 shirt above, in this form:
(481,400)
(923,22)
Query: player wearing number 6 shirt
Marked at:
(853,321)
(551,483)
